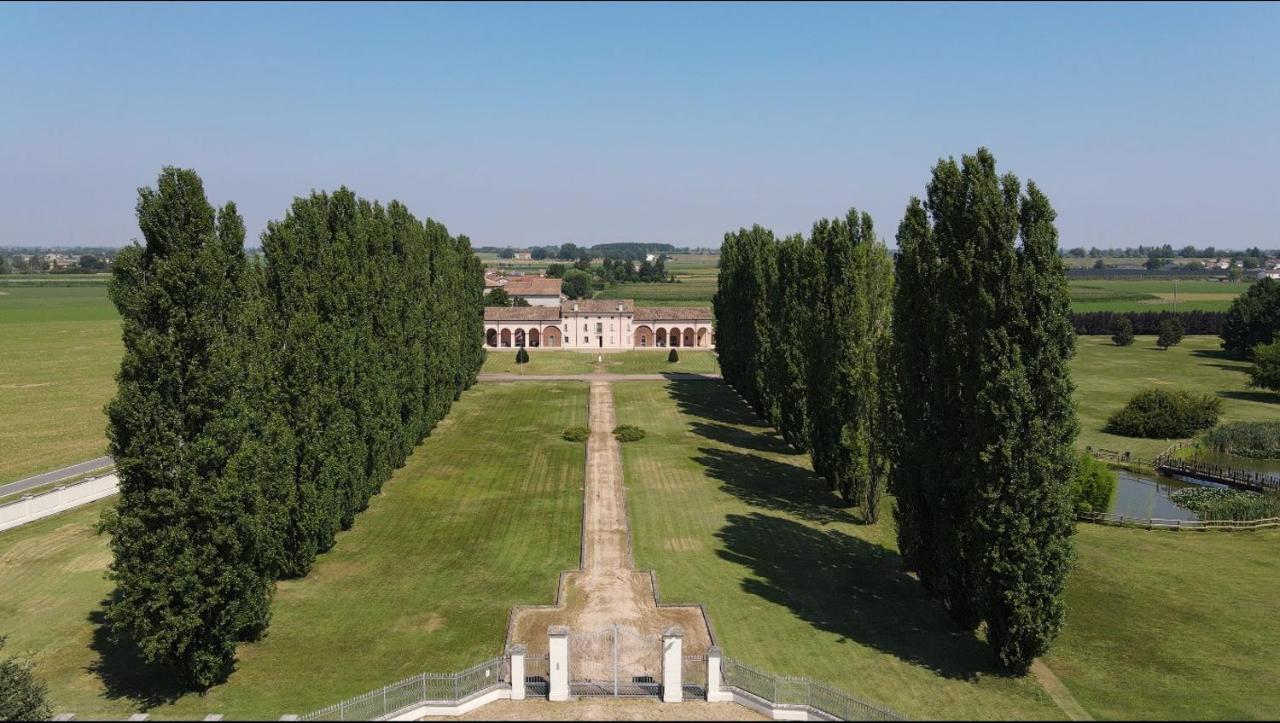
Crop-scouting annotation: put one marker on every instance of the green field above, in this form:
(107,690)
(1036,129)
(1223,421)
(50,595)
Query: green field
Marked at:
(1152,295)
(61,348)
(424,581)
(1160,625)
(1106,376)
(581,362)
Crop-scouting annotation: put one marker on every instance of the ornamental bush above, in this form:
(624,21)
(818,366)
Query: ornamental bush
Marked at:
(522,356)
(576,434)
(22,695)
(628,433)
(673,356)
(1092,486)
(1164,414)
(1170,333)
(1122,331)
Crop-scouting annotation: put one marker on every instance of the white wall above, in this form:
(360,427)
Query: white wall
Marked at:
(30,509)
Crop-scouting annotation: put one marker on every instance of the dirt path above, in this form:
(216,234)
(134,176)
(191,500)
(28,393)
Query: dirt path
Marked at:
(606,590)
(1062,697)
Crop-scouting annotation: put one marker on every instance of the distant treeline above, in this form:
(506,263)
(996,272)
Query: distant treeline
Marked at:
(1133,273)
(1166,251)
(1148,322)
(573,252)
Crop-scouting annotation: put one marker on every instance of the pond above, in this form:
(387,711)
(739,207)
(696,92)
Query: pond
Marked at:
(1143,495)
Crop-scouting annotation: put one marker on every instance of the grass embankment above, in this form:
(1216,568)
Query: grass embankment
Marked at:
(483,515)
(692,361)
(1107,375)
(61,348)
(1159,625)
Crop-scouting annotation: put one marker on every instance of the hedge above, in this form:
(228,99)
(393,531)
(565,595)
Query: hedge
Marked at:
(1148,322)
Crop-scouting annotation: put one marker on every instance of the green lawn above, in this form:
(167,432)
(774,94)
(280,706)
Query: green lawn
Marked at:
(1160,625)
(61,348)
(579,362)
(1106,376)
(424,580)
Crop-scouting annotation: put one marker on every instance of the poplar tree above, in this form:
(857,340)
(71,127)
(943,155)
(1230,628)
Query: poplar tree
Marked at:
(849,321)
(192,553)
(792,309)
(983,460)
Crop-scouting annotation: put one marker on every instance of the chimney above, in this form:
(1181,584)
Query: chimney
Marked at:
(575,306)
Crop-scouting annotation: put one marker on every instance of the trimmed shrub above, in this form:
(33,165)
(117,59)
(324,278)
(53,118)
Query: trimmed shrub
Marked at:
(1265,373)
(628,433)
(1258,440)
(1164,414)
(522,356)
(1170,333)
(1122,331)
(673,356)
(576,434)
(1093,486)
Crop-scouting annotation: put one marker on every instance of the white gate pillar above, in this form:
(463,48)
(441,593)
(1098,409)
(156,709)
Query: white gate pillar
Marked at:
(558,662)
(517,672)
(714,694)
(672,658)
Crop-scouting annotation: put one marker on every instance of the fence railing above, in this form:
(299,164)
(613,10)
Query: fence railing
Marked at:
(439,688)
(800,692)
(1147,523)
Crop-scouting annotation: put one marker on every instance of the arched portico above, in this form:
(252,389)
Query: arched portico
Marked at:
(644,337)
(702,337)
(551,336)
(519,337)
(506,337)
(661,337)
(491,337)
(688,337)
(673,337)
(535,339)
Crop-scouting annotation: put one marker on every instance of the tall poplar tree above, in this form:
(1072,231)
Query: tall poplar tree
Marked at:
(983,461)
(193,564)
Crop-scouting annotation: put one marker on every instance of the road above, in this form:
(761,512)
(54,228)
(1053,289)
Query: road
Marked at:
(56,475)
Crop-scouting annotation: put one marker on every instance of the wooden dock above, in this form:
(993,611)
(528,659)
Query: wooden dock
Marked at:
(1242,479)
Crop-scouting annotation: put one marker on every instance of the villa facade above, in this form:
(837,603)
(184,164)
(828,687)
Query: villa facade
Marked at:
(609,324)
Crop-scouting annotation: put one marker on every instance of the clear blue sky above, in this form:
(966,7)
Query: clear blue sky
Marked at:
(538,124)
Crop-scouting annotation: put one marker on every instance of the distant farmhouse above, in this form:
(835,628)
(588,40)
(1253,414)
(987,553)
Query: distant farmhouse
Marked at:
(596,324)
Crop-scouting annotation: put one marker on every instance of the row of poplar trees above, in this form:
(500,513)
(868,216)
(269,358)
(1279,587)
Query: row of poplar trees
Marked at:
(949,380)
(262,402)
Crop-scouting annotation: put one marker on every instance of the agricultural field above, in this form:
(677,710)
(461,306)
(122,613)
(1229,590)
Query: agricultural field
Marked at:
(1153,294)
(695,285)
(423,581)
(1107,375)
(579,362)
(59,351)
(1160,625)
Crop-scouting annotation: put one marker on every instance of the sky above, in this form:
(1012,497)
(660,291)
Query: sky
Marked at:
(538,124)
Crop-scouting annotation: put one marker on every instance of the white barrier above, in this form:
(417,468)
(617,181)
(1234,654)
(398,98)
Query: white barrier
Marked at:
(36,507)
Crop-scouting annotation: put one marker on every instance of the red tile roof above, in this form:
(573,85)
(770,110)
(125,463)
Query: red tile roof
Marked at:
(532,286)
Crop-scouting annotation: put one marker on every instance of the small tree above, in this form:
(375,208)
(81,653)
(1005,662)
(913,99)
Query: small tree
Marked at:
(577,284)
(520,301)
(522,356)
(1170,332)
(497,297)
(22,695)
(1122,331)
(555,271)
(673,356)
(1266,367)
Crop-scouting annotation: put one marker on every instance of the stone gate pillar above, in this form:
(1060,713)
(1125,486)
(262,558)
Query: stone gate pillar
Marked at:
(517,672)
(714,692)
(558,662)
(672,658)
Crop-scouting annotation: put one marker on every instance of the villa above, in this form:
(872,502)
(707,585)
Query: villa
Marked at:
(598,324)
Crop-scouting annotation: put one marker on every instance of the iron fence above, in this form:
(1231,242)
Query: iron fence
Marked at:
(801,692)
(442,688)
(693,674)
(537,680)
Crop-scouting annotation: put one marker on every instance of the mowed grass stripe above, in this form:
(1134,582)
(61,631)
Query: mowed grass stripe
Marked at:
(483,515)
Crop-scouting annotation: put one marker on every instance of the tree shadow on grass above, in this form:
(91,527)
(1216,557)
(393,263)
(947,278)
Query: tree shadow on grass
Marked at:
(772,485)
(746,439)
(123,672)
(1246,395)
(715,401)
(853,588)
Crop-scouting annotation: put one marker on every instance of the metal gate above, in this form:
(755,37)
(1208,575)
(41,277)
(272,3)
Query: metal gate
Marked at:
(536,675)
(615,661)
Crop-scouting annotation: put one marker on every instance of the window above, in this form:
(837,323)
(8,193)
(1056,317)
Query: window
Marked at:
(599,327)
